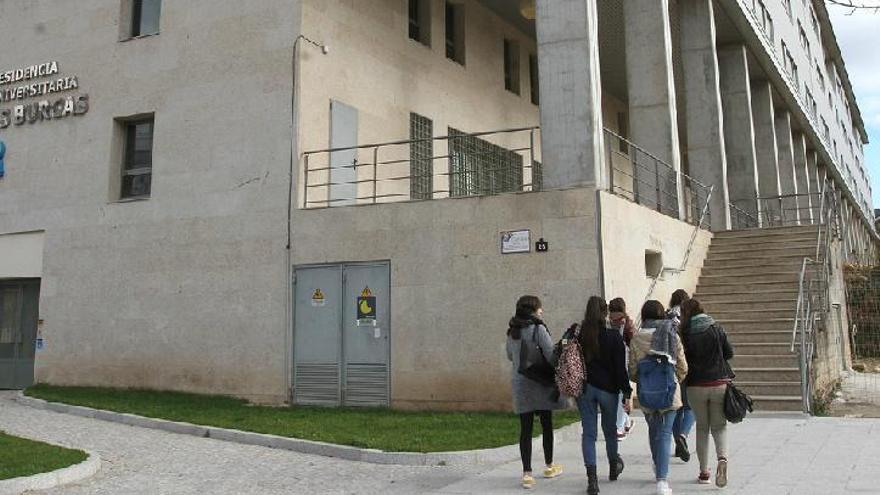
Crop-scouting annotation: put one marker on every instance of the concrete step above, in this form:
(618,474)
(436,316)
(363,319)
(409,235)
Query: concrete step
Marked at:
(794,231)
(759,337)
(768,374)
(787,360)
(777,403)
(732,267)
(735,325)
(761,242)
(756,296)
(764,250)
(781,256)
(749,278)
(715,306)
(790,389)
(717,286)
(753,313)
(762,348)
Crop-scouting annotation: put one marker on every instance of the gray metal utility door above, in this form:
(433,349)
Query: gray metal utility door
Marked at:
(342,343)
(18,332)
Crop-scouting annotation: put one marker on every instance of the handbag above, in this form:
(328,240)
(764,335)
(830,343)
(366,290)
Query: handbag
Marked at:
(537,369)
(736,404)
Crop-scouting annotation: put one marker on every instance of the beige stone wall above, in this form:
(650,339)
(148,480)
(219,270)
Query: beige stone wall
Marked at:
(452,292)
(628,230)
(375,67)
(833,353)
(186,290)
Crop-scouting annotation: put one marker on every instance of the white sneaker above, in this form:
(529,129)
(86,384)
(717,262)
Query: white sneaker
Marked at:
(663,488)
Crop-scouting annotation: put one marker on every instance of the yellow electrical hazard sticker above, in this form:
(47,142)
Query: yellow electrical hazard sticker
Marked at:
(366,307)
(318,299)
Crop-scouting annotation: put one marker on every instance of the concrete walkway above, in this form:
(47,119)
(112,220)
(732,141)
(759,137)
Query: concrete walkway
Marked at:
(770,455)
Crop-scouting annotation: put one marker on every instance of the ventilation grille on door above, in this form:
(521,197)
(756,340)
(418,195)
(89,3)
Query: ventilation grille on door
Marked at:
(366,385)
(317,384)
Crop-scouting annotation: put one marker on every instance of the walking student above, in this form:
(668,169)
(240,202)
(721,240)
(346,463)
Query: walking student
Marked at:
(684,418)
(658,365)
(621,322)
(528,337)
(605,364)
(708,351)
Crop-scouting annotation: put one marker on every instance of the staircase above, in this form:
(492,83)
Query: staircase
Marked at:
(749,284)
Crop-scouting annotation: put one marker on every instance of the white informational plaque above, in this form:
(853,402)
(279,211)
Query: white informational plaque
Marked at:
(515,241)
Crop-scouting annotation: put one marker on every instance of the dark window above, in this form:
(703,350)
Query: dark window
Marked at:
(537,176)
(455,32)
(511,66)
(623,131)
(137,167)
(478,167)
(145,17)
(534,80)
(421,157)
(420,21)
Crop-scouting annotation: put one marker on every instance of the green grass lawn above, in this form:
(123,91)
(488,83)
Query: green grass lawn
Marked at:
(393,431)
(20,457)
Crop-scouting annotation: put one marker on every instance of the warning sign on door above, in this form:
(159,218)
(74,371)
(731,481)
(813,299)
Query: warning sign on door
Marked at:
(318,299)
(366,308)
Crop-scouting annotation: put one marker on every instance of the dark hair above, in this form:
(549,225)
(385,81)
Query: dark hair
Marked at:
(594,322)
(526,307)
(617,305)
(678,297)
(689,309)
(653,310)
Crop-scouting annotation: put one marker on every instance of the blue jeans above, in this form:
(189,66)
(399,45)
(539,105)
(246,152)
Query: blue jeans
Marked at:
(622,416)
(684,418)
(660,435)
(590,403)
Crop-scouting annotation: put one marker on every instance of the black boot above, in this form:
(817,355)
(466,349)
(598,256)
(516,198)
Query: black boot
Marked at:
(615,468)
(592,481)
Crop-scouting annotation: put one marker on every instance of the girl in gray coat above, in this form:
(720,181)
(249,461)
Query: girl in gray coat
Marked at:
(531,397)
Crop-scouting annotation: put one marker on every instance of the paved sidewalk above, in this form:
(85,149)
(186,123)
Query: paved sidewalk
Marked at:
(770,455)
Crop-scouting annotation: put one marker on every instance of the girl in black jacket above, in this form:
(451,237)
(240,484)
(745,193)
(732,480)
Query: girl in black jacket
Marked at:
(607,377)
(707,350)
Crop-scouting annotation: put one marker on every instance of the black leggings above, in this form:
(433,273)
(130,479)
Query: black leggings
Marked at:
(526,424)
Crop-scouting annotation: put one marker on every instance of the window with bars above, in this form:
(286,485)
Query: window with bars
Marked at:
(421,157)
(537,176)
(137,167)
(478,167)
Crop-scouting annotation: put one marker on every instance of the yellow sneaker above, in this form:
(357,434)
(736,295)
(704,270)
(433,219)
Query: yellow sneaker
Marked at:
(552,471)
(528,481)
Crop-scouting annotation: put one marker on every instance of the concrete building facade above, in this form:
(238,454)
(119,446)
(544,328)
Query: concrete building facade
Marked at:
(339,202)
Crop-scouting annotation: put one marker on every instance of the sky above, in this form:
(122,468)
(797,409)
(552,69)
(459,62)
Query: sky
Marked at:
(858,39)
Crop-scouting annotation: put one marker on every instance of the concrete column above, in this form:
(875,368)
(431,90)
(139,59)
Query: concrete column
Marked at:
(805,205)
(787,177)
(815,183)
(739,130)
(766,152)
(707,162)
(571,93)
(653,117)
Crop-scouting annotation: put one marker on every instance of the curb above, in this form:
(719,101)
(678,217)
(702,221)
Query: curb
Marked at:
(44,481)
(498,455)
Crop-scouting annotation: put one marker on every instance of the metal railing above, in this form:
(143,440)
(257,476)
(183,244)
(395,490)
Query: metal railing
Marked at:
(459,164)
(742,219)
(640,176)
(791,209)
(813,302)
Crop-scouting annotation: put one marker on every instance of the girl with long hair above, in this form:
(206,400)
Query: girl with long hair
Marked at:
(708,351)
(528,337)
(605,364)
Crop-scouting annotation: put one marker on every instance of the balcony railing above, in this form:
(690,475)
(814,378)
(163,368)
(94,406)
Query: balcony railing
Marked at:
(456,165)
(643,178)
(790,209)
